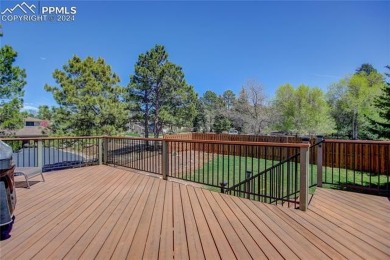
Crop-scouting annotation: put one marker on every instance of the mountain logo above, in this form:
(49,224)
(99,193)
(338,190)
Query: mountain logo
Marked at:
(24,7)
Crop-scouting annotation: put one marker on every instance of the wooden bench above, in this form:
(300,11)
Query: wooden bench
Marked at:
(29,172)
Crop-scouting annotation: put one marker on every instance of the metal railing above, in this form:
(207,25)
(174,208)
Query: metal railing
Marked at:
(231,163)
(54,153)
(278,184)
(357,165)
(144,154)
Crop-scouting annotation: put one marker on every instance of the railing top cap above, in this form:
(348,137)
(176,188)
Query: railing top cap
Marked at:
(269,144)
(356,141)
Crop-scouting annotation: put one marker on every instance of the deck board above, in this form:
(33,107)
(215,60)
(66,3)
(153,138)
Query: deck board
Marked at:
(102,212)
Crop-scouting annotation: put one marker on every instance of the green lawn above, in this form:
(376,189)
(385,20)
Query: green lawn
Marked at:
(233,169)
(283,181)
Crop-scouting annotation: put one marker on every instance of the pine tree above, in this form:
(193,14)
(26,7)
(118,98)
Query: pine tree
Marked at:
(382,103)
(12,82)
(90,101)
(158,93)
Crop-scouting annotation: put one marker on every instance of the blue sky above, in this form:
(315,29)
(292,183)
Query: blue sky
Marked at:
(220,45)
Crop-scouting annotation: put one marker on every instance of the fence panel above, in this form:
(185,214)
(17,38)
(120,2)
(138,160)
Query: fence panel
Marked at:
(357,165)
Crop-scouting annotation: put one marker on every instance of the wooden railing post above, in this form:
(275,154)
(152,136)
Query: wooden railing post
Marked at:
(40,154)
(105,149)
(319,139)
(165,160)
(100,143)
(304,176)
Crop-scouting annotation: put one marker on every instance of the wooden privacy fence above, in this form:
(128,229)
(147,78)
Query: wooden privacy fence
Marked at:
(231,148)
(367,156)
(262,152)
(236,138)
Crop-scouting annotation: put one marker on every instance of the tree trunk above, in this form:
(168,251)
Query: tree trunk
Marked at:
(156,113)
(146,116)
(354,126)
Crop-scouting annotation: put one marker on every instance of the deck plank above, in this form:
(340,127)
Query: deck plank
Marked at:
(341,216)
(220,240)
(166,243)
(265,245)
(230,218)
(305,231)
(57,217)
(208,244)
(280,246)
(88,228)
(152,244)
(180,243)
(76,220)
(92,249)
(299,245)
(103,212)
(141,235)
(125,242)
(195,249)
(226,224)
(107,249)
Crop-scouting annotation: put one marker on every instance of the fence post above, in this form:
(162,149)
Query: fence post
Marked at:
(40,154)
(165,160)
(304,176)
(248,184)
(319,140)
(100,142)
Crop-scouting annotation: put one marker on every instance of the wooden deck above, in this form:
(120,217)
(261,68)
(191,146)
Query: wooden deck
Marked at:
(102,212)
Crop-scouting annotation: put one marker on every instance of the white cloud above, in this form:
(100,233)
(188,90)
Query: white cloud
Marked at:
(27,107)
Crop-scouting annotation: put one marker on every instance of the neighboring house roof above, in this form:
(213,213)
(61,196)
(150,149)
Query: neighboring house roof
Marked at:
(38,130)
(33,119)
(31,131)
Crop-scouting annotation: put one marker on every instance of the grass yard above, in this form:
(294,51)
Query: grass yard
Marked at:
(285,180)
(218,168)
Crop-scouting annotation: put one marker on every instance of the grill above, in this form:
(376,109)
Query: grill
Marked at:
(7,190)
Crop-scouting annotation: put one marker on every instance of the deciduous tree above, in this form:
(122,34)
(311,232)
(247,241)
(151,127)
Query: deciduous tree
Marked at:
(303,110)
(352,102)
(259,111)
